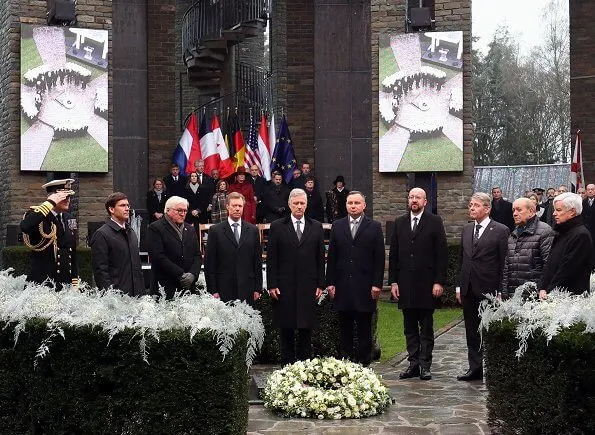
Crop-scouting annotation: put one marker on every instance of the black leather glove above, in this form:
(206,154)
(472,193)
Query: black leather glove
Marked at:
(186,280)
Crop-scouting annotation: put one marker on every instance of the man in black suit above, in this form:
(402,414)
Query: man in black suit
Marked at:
(418,259)
(50,232)
(484,246)
(354,275)
(295,276)
(173,250)
(275,199)
(589,210)
(501,209)
(233,261)
(175,182)
(206,190)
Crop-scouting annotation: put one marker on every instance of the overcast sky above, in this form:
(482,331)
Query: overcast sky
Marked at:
(522,17)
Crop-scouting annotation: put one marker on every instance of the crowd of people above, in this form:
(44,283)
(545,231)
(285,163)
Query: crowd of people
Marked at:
(266,201)
(503,246)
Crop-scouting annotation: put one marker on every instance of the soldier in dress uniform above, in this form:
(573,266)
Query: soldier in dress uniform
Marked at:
(49,231)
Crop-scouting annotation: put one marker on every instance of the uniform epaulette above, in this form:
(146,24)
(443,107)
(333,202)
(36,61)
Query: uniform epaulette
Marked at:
(44,208)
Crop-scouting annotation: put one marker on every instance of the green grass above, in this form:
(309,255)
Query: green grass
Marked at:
(81,154)
(24,124)
(450,73)
(95,72)
(30,57)
(390,326)
(387,64)
(433,154)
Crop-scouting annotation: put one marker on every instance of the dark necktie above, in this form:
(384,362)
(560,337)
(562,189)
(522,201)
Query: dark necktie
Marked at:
(476,235)
(236,234)
(298,230)
(414,224)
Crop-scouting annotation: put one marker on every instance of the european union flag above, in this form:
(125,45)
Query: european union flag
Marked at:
(284,157)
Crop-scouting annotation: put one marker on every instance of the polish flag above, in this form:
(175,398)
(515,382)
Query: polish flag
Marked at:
(225,165)
(577,178)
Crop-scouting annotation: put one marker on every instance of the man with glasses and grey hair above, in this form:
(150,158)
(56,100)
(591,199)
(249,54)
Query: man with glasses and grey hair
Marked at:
(173,250)
(484,246)
(571,257)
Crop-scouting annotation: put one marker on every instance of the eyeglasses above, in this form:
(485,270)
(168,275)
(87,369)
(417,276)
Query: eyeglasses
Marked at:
(180,210)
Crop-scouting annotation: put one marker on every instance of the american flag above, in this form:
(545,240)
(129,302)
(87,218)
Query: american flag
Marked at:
(252,156)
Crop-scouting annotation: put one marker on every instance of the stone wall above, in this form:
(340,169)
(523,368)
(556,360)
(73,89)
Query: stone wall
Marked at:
(582,80)
(19,190)
(454,189)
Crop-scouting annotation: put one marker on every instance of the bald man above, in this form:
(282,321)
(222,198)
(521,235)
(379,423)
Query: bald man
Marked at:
(528,247)
(418,258)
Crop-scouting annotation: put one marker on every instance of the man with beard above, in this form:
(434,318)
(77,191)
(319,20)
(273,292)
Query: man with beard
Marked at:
(571,258)
(501,209)
(548,207)
(50,232)
(418,259)
(275,199)
(484,246)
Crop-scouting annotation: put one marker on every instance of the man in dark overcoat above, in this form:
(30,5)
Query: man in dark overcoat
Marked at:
(233,260)
(206,191)
(418,259)
(295,276)
(50,232)
(175,181)
(114,250)
(501,210)
(173,250)
(484,246)
(274,201)
(354,275)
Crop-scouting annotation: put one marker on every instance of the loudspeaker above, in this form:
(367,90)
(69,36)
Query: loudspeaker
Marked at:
(420,17)
(61,12)
(14,236)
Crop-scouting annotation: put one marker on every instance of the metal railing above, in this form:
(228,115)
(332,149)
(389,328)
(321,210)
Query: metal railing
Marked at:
(207,19)
(253,94)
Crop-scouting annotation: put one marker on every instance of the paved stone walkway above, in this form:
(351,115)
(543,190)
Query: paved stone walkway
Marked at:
(441,406)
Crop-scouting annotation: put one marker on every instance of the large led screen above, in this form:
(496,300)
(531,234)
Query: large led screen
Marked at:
(421,102)
(64,99)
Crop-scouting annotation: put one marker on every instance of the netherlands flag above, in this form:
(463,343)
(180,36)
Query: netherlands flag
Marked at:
(188,149)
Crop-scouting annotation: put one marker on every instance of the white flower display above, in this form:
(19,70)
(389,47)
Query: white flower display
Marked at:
(325,388)
(112,312)
(560,310)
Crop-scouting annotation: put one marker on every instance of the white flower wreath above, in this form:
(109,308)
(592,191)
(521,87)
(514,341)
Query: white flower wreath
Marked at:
(325,388)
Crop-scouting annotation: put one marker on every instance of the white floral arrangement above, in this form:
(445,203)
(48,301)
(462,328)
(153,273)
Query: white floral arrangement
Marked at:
(325,388)
(113,312)
(560,310)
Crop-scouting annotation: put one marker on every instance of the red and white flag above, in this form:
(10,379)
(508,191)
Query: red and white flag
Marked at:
(264,149)
(226,168)
(577,179)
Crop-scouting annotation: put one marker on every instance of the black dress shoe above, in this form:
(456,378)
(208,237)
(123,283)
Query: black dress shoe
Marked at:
(425,374)
(411,372)
(471,375)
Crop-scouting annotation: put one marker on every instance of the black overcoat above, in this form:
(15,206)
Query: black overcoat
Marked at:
(418,260)
(296,268)
(171,256)
(116,260)
(60,264)
(233,270)
(154,205)
(355,264)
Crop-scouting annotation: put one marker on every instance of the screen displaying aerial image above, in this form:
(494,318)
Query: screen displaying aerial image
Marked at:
(421,102)
(64,99)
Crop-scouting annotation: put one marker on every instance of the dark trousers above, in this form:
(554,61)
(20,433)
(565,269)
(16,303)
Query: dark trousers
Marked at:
(418,325)
(471,316)
(363,323)
(289,352)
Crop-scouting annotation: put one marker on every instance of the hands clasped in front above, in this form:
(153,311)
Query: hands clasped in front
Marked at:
(275,293)
(374,292)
